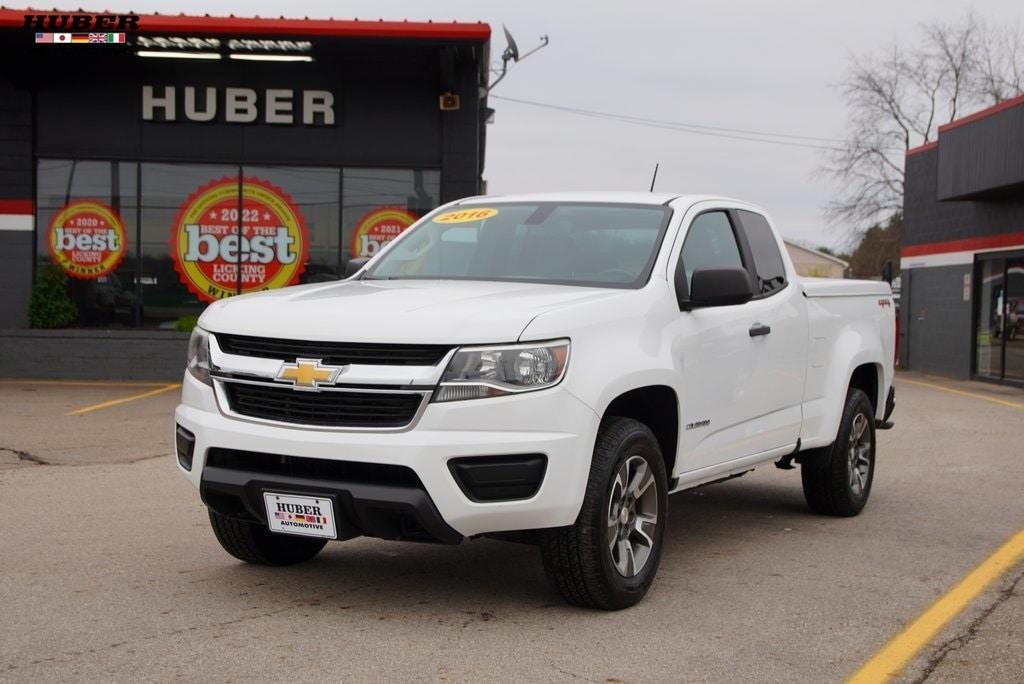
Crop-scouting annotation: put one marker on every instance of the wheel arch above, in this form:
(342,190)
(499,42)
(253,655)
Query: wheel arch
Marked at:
(657,407)
(867,377)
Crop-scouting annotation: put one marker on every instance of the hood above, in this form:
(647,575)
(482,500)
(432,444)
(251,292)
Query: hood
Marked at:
(396,311)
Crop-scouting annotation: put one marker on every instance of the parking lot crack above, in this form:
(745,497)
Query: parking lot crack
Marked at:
(149,457)
(962,639)
(26,456)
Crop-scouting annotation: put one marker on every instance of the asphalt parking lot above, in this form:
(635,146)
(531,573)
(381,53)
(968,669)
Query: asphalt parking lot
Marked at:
(111,571)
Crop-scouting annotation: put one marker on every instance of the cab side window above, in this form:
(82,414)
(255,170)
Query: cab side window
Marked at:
(710,242)
(771,274)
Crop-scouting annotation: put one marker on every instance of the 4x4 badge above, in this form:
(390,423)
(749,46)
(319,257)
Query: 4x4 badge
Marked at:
(308,374)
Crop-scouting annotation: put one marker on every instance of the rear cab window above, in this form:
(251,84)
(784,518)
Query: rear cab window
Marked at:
(769,269)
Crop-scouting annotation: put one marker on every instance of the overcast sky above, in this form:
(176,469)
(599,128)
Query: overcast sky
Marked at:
(754,64)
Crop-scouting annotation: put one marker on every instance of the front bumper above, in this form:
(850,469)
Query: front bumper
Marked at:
(550,422)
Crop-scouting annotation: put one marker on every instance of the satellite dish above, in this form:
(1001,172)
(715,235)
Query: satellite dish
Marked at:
(512,50)
(511,54)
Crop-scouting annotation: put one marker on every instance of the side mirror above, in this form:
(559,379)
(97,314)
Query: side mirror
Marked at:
(720,287)
(353,266)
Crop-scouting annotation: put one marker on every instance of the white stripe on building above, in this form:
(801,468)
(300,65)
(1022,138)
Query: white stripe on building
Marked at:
(16,222)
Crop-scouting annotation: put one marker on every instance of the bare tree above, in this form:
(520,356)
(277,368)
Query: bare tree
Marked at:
(1000,66)
(898,100)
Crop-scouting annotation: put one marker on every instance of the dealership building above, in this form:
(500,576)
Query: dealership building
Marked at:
(163,162)
(962,252)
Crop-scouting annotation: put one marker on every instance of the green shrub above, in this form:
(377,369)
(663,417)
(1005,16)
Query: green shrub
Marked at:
(186,323)
(49,305)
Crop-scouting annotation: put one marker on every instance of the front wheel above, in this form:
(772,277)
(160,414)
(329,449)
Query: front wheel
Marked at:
(609,557)
(254,543)
(838,482)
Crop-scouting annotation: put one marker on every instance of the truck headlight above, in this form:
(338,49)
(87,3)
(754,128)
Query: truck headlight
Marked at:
(198,361)
(478,372)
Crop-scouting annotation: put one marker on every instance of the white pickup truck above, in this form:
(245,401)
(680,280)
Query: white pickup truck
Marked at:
(540,367)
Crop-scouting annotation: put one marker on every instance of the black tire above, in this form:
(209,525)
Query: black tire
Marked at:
(253,543)
(578,560)
(830,487)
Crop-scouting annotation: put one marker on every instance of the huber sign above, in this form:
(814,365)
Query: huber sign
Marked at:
(87,239)
(214,261)
(238,105)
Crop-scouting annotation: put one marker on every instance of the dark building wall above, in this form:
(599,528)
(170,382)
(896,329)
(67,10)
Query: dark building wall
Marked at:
(385,104)
(927,219)
(92,354)
(982,157)
(16,245)
(935,321)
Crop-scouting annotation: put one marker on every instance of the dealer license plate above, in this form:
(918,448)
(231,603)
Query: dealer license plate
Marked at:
(311,516)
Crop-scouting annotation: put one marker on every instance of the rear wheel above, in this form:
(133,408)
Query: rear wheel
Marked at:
(609,557)
(838,481)
(253,543)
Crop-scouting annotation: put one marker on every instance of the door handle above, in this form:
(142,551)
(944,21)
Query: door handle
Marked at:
(759,329)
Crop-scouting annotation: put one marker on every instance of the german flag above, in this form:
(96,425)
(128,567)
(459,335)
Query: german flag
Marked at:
(79,37)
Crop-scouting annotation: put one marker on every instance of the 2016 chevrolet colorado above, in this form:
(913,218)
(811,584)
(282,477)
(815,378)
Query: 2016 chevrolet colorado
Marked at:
(542,367)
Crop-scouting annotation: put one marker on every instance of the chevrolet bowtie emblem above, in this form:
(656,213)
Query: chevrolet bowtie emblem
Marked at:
(308,374)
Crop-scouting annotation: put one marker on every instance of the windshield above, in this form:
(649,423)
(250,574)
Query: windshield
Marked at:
(592,244)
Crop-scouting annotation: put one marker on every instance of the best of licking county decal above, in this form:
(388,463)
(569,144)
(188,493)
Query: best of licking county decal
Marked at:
(208,252)
(87,239)
(378,228)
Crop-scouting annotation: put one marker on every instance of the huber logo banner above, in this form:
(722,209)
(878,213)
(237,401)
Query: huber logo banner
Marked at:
(378,228)
(210,256)
(87,239)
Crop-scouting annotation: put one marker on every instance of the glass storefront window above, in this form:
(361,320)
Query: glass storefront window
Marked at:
(378,204)
(314,192)
(999,317)
(194,233)
(166,188)
(86,225)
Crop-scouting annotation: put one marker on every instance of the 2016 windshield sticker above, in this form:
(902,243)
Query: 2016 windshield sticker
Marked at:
(465,215)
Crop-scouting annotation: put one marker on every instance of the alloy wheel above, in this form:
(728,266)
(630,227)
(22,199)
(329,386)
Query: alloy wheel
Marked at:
(859,454)
(632,516)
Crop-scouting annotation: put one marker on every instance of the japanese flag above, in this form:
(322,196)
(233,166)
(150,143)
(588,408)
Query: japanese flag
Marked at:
(62,38)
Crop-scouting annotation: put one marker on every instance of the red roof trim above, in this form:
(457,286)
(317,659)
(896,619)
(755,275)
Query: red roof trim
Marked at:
(923,148)
(257,26)
(975,244)
(15,206)
(994,109)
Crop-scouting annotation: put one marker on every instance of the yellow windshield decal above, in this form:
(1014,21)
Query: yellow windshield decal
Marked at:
(465,215)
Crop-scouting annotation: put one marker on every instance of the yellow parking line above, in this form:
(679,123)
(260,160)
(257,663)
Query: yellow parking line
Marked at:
(81,383)
(888,662)
(124,400)
(974,395)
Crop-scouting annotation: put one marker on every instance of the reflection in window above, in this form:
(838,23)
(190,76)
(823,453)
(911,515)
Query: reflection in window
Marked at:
(368,194)
(710,243)
(314,192)
(146,286)
(86,225)
(165,189)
